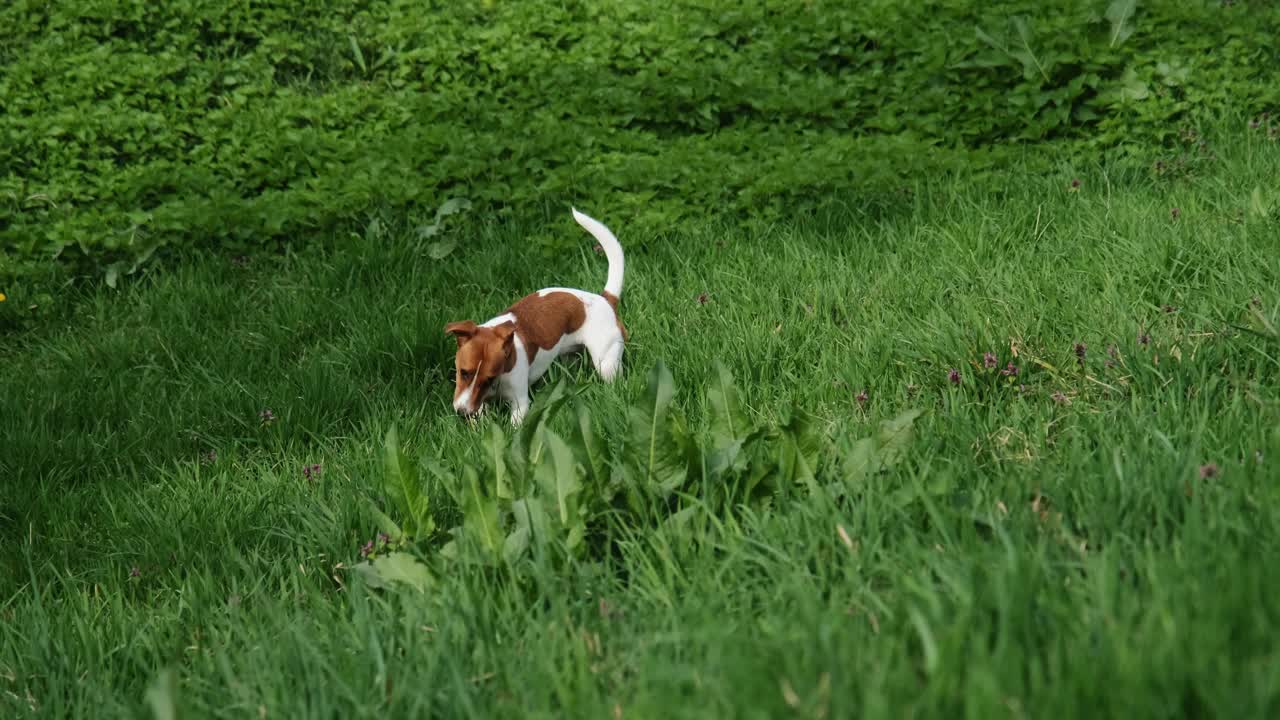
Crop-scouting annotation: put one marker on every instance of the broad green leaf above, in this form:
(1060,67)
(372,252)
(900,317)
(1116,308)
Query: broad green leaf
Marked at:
(894,436)
(577,533)
(729,424)
(1030,61)
(516,543)
(1259,206)
(588,447)
(452,206)
(397,568)
(985,37)
(763,464)
(527,442)
(886,448)
(497,458)
(558,477)
(861,461)
(404,488)
(356,53)
(1133,88)
(480,531)
(441,250)
(678,522)
(654,457)
(162,696)
(430,231)
(480,515)
(800,447)
(531,517)
(1173,74)
(385,523)
(393,463)
(725,461)
(1120,14)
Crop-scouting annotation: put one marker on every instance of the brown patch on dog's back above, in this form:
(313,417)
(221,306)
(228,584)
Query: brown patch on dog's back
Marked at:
(613,303)
(541,320)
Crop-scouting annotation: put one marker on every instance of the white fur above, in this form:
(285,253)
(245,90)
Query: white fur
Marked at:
(599,334)
(612,251)
(503,318)
(464,400)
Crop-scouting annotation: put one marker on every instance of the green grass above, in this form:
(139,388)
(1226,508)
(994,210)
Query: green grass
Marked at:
(1047,550)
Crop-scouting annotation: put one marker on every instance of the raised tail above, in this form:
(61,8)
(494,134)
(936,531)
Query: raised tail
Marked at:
(612,251)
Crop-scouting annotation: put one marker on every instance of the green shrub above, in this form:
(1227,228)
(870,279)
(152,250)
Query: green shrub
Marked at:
(130,126)
(543,494)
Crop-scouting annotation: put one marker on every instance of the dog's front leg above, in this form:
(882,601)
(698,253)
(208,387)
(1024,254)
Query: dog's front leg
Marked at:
(519,404)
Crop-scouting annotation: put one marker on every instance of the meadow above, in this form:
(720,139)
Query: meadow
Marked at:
(194,476)
(977,426)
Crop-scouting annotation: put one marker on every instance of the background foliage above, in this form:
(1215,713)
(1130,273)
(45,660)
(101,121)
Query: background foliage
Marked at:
(1004,447)
(130,126)
(953,388)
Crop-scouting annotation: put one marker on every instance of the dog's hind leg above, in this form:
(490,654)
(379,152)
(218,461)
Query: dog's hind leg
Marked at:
(607,357)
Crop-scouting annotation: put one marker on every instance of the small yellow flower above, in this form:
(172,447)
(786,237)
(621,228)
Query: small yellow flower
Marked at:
(3,297)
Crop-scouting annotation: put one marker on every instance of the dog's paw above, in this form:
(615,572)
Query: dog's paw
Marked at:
(609,370)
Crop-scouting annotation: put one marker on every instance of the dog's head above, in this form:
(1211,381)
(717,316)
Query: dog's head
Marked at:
(483,354)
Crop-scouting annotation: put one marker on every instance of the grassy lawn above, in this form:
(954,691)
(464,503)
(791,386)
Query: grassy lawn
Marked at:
(1087,538)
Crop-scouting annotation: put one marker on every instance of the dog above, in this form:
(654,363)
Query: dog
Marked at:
(507,354)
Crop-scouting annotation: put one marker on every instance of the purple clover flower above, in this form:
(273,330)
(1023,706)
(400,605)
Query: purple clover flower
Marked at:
(1010,370)
(861,398)
(135,572)
(267,416)
(311,472)
(989,360)
(1081,350)
(954,376)
(367,549)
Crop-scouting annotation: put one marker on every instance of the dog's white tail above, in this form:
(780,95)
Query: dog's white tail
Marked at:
(612,251)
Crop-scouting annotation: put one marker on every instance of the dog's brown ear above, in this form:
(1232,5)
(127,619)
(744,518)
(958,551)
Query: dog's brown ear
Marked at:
(461,331)
(506,332)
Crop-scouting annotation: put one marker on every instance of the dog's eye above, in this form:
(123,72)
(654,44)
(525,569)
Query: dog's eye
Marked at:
(466,374)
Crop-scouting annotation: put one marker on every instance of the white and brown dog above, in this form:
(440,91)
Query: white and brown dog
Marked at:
(507,354)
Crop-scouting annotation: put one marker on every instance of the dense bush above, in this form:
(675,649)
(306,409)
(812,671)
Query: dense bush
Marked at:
(130,125)
(543,494)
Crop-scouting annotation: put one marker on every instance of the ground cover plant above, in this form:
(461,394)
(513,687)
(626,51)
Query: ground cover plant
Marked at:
(132,127)
(953,389)
(1004,449)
